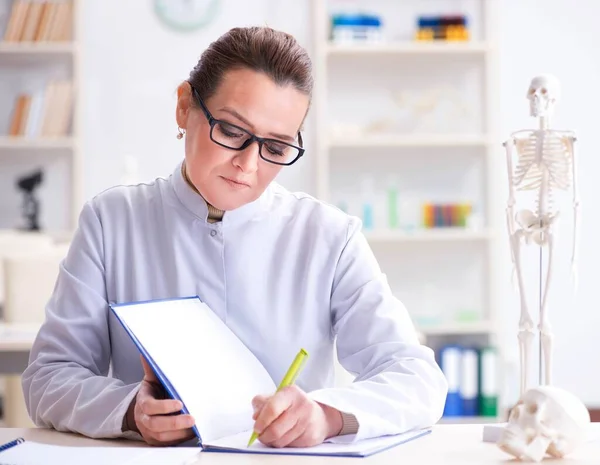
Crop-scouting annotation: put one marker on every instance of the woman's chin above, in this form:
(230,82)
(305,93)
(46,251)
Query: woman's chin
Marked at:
(228,201)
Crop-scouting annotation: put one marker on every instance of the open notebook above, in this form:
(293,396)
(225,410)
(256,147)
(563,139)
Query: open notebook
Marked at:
(202,363)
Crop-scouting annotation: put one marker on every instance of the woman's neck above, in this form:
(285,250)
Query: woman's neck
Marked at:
(214,214)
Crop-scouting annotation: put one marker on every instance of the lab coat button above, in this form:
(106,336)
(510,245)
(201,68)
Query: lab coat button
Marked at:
(213,233)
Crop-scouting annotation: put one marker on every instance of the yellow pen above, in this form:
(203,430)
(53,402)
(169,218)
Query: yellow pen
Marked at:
(288,380)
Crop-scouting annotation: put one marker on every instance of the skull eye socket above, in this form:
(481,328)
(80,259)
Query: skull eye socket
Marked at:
(531,91)
(514,413)
(532,409)
(544,91)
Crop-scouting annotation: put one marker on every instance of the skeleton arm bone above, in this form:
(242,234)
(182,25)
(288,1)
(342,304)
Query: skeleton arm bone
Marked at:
(570,140)
(510,216)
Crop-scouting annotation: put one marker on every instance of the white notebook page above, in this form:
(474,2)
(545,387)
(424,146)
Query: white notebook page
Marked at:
(213,372)
(32,453)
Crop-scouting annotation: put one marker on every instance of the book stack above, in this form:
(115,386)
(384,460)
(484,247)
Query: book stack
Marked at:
(46,113)
(40,21)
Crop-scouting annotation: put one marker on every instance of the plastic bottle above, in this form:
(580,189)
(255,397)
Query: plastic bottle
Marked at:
(367,200)
(392,203)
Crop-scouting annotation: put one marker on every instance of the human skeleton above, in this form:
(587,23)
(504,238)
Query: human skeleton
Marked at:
(547,420)
(545,163)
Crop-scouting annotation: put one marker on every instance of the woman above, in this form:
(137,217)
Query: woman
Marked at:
(282,269)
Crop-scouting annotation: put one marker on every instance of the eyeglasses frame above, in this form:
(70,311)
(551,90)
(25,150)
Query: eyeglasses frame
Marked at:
(212,121)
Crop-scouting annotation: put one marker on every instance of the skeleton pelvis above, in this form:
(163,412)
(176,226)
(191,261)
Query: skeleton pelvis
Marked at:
(534,228)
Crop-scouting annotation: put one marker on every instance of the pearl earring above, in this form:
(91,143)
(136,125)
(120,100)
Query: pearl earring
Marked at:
(180,133)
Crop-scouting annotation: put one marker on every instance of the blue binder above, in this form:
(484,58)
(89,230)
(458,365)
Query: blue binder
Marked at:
(450,362)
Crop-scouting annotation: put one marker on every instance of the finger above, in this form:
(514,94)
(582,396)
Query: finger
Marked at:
(259,401)
(257,404)
(271,410)
(308,438)
(291,437)
(148,372)
(281,427)
(165,423)
(170,437)
(151,406)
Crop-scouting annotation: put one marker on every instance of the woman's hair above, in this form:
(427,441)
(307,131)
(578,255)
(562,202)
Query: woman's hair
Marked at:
(274,53)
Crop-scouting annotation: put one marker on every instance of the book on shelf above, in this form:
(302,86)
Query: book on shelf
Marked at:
(40,21)
(45,113)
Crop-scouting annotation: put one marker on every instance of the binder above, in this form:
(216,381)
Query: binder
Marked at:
(450,362)
(469,383)
(174,335)
(488,381)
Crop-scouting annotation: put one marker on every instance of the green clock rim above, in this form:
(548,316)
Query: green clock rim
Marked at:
(210,15)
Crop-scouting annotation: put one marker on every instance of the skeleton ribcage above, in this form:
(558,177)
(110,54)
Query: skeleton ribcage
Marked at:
(537,155)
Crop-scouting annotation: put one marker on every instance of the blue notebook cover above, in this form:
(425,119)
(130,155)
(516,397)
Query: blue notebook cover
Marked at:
(169,388)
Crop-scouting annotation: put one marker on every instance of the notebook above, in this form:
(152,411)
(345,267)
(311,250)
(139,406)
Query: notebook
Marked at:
(22,452)
(202,363)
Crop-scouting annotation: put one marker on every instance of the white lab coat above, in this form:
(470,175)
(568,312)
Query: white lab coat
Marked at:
(283,272)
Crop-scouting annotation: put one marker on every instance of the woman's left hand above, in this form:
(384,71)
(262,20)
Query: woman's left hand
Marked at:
(289,418)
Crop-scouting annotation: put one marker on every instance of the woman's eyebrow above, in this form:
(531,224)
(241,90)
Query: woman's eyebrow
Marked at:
(235,114)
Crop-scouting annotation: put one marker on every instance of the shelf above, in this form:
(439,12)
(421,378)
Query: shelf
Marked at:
(410,140)
(35,52)
(24,143)
(408,48)
(453,329)
(428,235)
(16,337)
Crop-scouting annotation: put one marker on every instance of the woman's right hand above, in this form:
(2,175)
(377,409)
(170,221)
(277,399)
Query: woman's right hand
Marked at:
(158,419)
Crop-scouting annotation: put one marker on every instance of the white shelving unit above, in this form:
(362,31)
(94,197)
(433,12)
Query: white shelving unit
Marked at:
(27,66)
(350,78)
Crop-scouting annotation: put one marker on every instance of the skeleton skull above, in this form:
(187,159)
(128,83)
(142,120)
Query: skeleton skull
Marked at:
(546,420)
(543,93)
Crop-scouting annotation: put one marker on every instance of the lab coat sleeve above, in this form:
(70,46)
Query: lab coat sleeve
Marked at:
(398,386)
(66,384)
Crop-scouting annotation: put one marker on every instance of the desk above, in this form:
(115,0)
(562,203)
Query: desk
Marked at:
(447,445)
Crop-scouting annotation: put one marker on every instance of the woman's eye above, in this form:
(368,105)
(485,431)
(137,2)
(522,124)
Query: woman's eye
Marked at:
(230,131)
(275,149)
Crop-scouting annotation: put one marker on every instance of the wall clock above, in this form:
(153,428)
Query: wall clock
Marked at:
(186,15)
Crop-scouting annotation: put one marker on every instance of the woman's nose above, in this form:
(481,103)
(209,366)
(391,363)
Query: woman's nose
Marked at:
(247,159)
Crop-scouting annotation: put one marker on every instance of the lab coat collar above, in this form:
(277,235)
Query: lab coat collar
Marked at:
(194,202)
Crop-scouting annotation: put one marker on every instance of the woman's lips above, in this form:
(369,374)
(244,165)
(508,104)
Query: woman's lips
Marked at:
(236,183)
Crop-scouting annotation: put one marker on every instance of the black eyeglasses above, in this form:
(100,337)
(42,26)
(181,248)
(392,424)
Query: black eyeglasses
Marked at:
(235,137)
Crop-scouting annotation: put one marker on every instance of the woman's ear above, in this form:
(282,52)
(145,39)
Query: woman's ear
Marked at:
(182,111)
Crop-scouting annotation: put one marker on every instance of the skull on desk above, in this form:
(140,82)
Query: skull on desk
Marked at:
(546,420)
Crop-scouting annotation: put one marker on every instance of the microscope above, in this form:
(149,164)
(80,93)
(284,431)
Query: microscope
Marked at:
(30,206)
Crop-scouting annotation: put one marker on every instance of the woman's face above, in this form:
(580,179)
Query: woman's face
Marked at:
(228,179)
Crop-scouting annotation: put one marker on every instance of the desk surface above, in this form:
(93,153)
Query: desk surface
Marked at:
(447,445)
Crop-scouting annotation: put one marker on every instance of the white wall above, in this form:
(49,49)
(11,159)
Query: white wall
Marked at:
(551,36)
(132,66)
